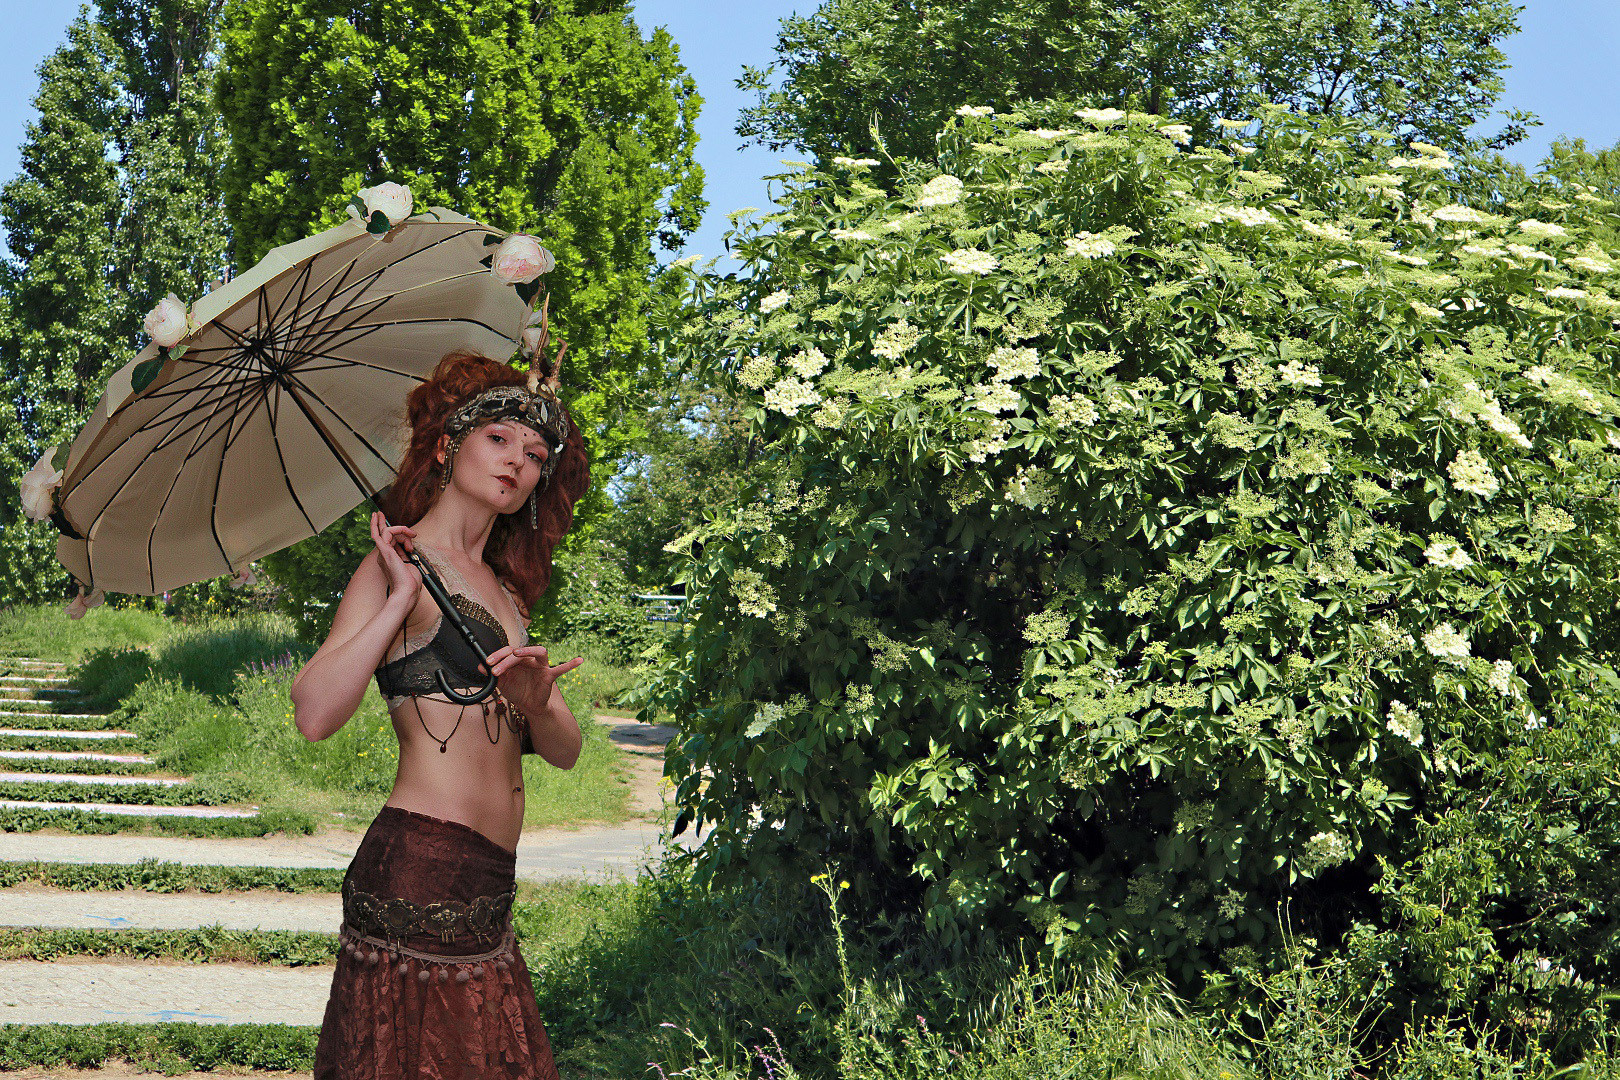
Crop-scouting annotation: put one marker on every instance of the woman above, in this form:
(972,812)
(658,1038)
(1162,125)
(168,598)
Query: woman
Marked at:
(429,982)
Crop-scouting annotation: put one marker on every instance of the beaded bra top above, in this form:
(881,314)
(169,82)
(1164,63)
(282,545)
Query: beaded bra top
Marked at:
(410,674)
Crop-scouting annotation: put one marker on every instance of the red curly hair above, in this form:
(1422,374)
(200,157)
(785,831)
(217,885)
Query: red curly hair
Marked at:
(519,555)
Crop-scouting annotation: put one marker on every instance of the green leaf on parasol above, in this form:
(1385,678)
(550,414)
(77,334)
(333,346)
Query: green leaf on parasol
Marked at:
(147,370)
(378,223)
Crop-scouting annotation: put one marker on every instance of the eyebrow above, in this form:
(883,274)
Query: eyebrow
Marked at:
(504,426)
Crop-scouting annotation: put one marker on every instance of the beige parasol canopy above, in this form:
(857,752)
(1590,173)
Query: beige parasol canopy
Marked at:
(284,410)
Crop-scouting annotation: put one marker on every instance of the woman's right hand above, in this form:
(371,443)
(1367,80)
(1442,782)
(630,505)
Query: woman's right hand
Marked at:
(392,541)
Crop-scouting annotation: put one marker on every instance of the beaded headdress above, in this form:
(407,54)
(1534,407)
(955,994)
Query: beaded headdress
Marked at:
(534,405)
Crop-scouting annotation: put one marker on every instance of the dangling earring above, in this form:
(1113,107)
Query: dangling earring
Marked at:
(449,460)
(534,508)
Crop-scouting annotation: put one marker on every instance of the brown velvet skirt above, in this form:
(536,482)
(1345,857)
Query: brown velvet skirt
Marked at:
(429,982)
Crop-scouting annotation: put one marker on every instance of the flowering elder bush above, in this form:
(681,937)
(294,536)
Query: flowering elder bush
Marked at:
(1146,534)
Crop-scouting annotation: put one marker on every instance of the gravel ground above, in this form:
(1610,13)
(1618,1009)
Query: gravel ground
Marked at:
(71,991)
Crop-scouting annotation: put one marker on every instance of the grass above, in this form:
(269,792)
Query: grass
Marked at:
(209,700)
(151,875)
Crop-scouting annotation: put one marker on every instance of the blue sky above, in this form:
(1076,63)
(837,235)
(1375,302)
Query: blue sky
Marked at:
(1562,60)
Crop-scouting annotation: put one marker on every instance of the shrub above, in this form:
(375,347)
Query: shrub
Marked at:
(1146,538)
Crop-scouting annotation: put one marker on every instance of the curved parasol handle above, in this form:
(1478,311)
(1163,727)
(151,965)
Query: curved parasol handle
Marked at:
(436,589)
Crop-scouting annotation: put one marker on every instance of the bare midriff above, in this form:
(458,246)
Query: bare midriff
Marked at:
(473,781)
(477,779)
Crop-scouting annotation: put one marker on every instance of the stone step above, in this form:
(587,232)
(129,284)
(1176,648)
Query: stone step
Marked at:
(65,733)
(30,681)
(91,778)
(6,713)
(32,905)
(151,991)
(131,810)
(8,702)
(32,660)
(74,755)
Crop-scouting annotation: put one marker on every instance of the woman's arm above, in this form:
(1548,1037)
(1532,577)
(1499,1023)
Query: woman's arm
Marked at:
(329,688)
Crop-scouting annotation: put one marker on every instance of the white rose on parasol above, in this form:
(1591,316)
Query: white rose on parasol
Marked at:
(520,259)
(169,321)
(391,200)
(82,603)
(36,487)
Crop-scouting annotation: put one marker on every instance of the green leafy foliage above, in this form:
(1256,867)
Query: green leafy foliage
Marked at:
(1431,67)
(1146,538)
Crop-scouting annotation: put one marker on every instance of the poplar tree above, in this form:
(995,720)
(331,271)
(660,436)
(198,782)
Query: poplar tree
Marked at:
(115,204)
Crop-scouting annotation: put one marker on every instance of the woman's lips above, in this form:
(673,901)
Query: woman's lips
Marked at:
(508,483)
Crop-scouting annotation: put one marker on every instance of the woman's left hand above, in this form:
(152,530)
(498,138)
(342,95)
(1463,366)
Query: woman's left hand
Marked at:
(524,674)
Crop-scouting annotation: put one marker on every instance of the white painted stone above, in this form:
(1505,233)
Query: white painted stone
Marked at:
(90,778)
(74,755)
(128,810)
(59,733)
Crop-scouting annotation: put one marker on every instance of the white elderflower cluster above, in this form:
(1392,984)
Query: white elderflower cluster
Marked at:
(1428,149)
(996,398)
(1534,722)
(766,716)
(850,234)
(790,395)
(1528,255)
(775,300)
(1048,134)
(1501,678)
(831,414)
(1426,310)
(1446,553)
(1323,850)
(979,449)
(1100,117)
(1073,410)
(896,340)
(974,110)
(1561,387)
(1293,373)
(1013,363)
(754,597)
(1494,251)
(684,260)
(1542,230)
(757,372)
(1031,487)
(1057,166)
(1433,162)
(901,222)
(1456,214)
(1253,216)
(1590,265)
(1551,519)
(1409,260)
(1475,403)
(855,163)
(1562,292)
(1472,473)
(1242,148)
(1405,723)
(1445,642)
(941,191)
(808,362)
(970,261)
(1087,245)
(1181,134)
(1325,231)
(1231,125)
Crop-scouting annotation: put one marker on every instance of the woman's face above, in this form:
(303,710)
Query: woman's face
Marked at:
(498,449)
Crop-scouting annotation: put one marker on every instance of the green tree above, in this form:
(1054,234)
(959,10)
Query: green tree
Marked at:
(1429,68)
(1588,175)
(560,120)
(116,205)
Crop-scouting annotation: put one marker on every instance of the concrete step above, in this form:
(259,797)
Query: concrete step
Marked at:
(31,905)
(74,755)
(8,702)
(32,660)
(37,682)
(7,713)
(73,991)
(66,733)
(91,778)
(131,810)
